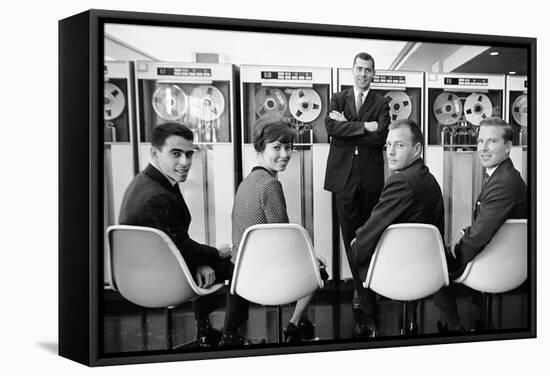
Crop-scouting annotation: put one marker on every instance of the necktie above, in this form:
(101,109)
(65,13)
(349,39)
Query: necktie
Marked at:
(358,102)
(485,178)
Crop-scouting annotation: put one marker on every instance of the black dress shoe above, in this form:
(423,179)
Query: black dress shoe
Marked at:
(410,330)
(373,333)
(232,339)
(442,327)
(207,336)
(291,333)
(362,330)
(307,329)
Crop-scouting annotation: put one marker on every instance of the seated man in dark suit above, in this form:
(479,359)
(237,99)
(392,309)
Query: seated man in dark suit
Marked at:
(153,199)
(503,196)
(411,195)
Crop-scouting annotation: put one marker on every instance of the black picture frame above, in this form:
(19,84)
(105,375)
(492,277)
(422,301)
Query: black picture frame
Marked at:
(80,210)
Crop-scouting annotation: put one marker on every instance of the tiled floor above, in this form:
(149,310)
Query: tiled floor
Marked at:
(129,328)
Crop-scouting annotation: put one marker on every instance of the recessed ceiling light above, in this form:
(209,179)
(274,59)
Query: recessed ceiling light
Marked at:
(494,53)
(512,72)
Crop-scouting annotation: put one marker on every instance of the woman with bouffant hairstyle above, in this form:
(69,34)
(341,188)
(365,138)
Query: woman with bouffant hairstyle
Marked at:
(260,199)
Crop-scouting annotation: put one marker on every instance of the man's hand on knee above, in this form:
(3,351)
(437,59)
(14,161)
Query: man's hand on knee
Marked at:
(205,276)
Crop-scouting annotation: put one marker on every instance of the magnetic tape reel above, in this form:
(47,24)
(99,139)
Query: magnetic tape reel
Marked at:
(447,108)
(400,105)
(519,110)
(270,102)
(206,103)
(169,102)
(114,101)
(477,107)
(305,105)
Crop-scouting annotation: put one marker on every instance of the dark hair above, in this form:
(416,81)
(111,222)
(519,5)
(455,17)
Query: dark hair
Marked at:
(495,121)
(363,56)
(162,131)
(269,130)
(417,136)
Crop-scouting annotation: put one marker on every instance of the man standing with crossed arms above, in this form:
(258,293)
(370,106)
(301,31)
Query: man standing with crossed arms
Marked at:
(357,123)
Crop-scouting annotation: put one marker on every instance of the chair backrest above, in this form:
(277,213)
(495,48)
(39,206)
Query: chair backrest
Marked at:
(147,268)
(502,265)
(408,263)
(275,265)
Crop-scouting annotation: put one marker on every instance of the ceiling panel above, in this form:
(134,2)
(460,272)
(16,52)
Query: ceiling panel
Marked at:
(508,60)
(181,44)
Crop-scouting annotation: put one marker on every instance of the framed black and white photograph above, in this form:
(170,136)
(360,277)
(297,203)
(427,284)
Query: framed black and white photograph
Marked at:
(246,187)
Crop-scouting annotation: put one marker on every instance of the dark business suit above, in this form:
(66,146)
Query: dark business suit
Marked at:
(503,196)
(411,195)
(356,179)
(347,135)
(151,201)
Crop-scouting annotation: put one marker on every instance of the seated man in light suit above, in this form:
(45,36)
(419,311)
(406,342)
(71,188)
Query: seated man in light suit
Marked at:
(411,195)
(503,196)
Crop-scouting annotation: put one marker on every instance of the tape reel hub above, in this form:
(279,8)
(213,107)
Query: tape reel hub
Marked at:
(477,107)
(399,104)
(270,102)
(114,101)
(519,110)
(169,102)
(305,105)
(207,103)
(447,108)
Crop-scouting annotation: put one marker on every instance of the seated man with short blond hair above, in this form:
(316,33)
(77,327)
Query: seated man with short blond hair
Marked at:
(503,196)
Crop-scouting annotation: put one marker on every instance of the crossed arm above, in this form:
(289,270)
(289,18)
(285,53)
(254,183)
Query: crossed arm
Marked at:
(371,133)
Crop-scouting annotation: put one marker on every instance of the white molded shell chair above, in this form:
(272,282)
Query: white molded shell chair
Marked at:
(408,263)
(148,270)
(501,266)
(275,265)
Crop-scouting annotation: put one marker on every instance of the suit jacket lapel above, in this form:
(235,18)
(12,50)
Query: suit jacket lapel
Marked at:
(494,178)
(161,179)
(350,102)
(367,104)
(157,176)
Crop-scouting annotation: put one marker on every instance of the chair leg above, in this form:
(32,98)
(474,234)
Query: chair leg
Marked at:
(404,320)
(487,311)
(279,324)
(191,344)
(144,338)
(169,328)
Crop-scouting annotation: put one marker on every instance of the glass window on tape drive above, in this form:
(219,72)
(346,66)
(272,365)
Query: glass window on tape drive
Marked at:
(456,109)
(303,107)
(175,96)
(115,112)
